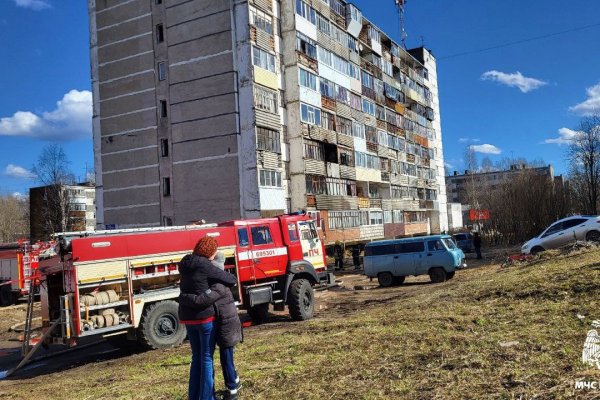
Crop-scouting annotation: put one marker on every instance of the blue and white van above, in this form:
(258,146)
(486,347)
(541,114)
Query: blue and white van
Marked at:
(391,261)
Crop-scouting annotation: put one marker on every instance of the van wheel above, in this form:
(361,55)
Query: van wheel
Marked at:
(450,275)
(301,300)
(385,279)
(259,313)
(160,327)
(399,280)
(437,275)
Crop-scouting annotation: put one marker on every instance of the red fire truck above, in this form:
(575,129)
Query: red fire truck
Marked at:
(18,262)
(124,284)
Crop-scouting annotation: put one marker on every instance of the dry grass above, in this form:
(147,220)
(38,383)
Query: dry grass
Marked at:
(435,342)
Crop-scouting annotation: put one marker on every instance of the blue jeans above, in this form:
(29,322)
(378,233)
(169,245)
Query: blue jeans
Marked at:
(229,373)
(202,341)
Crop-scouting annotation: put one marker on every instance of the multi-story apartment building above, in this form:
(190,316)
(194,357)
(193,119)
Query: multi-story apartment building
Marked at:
(462,186)
(61,208)
(220,109)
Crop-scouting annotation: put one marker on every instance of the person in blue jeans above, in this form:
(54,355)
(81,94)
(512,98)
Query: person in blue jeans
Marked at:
(228,326)
(197,273)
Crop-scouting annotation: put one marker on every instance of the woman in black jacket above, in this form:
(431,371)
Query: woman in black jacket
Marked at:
(197,274)
(228,326)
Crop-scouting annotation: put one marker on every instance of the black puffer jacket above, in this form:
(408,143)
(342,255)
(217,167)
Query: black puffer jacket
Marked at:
(197,274)
(229,326)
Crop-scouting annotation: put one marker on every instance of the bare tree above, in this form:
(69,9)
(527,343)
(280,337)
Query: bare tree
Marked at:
(52,171)
(14,223)
(584,155)
(487,165)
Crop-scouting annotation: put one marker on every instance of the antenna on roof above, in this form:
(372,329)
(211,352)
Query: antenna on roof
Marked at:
(403,35)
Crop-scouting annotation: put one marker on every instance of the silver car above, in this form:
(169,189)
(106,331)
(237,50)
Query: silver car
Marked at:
(563,232)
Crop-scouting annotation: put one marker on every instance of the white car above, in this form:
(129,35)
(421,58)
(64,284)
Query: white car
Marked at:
(563,232)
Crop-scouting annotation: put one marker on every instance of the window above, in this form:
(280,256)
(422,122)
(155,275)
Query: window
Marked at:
(344,126)
(342,94)
(573,223)
(314,151)
(367,79)
(160,33)
(381,250)
(243,237)
(166,187)
(368,107)
(293,232)
(270,178)
(268,139)
(306,11)
(77,206)
(327,88)
(261,235)
(355,101)
(435,245)
(307,79)
(163,109)
(263,59)
(327,121)
(413,247)
(398,216)
(315,184)
(358,130)
(554,229)
(164,147)
(343,219)
(375,218)
(262,21)
(340,187)
(162,71)
(324,56)
(265,100)
(347,157)
(158,1)
(306,45)
(323,25)
(309,114)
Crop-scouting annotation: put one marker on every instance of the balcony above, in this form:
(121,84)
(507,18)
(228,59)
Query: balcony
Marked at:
(375,203)
(385,176)
(328,103)
(370,68)
(364,202)
(305,60)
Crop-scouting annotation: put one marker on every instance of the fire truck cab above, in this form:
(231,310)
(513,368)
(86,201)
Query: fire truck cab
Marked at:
(126,283)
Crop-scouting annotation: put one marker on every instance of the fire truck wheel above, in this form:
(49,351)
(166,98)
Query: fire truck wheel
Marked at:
(301,300)
(6,296)
(160,327)
(259,313)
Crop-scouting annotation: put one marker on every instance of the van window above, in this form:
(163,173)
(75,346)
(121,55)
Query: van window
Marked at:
(435,245)
(412,247)
(380,250)
(261,235)
(449,243)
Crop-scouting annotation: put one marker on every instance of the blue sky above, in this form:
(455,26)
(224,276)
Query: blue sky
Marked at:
(45,77)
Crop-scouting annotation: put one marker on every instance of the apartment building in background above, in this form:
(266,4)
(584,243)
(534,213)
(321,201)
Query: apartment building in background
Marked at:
(223,109)
(72,206)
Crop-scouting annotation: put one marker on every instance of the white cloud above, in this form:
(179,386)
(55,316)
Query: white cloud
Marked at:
(591,106)
(467,140)
(35,5)
(486,149)
(516,79)
(16,171)
(565,136)
(72,119)
(19,196)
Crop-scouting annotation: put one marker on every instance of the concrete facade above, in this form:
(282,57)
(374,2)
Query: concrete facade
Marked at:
(289,104)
